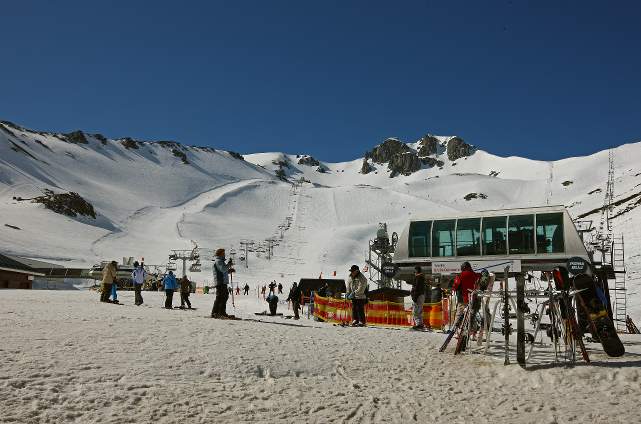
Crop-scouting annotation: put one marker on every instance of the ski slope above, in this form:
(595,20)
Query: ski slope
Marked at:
(149,201)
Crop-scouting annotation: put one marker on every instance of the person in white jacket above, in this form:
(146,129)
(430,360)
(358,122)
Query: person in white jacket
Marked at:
(356,288)
(138,276)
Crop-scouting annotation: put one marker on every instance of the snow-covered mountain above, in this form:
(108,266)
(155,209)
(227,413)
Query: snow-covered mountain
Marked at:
(150,197)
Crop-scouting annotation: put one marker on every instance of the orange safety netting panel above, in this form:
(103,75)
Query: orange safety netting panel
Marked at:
(389,314)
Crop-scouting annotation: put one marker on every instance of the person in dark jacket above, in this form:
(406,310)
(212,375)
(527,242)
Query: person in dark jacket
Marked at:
(246,289)
(170,284)
(185,289)
(418,298)
(294,297)
(272,287)
(221,275)
(272,299)
(280,288)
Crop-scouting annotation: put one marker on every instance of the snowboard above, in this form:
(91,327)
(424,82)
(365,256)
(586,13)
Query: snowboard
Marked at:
(592,303)
(507,328)
(568,314)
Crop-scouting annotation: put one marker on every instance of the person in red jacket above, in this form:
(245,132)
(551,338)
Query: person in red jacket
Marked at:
(465,282)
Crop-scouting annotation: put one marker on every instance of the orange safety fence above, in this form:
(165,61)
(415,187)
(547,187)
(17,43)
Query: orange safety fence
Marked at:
(389,314)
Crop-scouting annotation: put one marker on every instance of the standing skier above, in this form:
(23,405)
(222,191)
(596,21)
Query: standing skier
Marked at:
(294,297)
(356,286)
(170,283)
(246,289)
(221,276)
(138,276)
(185,289)
(272,287)
(108,278)
(464,283)
(418,298)
(280,288)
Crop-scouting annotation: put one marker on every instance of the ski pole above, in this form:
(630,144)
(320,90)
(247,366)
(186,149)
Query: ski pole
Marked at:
(231,282)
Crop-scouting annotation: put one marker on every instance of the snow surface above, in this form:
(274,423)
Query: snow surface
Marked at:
(69,358)
(148,202)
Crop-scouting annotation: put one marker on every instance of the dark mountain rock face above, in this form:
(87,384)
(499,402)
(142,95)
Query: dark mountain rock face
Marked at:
(308,160)
(457,148)
(389,148)
(77,137)
(431,162)
(427,145)
(404,164)
(366,168)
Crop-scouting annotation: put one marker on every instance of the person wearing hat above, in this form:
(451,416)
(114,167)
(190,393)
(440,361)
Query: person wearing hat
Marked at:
(356,287)
(138,276)
(108,278)
(221,271)
(418,297)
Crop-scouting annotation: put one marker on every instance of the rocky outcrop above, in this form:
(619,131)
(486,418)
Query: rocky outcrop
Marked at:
(457,148)
(427,145)
(69,204)
(471,196)
(431,162)
(100,138)
(308,160)
(387,150)
(404,164)
(180,154)
(366,168)
(76,137)
(129,143)
(236,155)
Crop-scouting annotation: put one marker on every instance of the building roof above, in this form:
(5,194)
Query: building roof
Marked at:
(34,264)
(11,265)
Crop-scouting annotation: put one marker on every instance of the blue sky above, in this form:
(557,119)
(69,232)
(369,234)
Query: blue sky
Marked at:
(541,79)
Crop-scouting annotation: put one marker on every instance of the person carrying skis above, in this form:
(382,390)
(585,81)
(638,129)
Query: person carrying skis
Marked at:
(356,286)
(108,278)
(221,275)
(418,298)
(185,289)
(294,297)
(465,282)
(138,276)
(170,284)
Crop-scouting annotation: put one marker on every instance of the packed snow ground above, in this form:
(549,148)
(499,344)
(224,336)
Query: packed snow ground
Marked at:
(69,358)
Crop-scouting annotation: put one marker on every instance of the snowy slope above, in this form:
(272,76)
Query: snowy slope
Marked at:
(149,201)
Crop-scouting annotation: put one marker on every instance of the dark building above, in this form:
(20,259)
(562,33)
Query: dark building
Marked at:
(15,275)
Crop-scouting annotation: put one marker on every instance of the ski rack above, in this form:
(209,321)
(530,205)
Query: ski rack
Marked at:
(560,333)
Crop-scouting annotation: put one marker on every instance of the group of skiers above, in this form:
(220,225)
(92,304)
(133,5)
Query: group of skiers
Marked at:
(138,275)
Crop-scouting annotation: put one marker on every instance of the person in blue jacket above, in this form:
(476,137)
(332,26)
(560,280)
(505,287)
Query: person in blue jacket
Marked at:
(170,285)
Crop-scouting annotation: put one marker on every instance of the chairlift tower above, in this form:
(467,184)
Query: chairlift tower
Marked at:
(380,252)
(246,245)
(185,256)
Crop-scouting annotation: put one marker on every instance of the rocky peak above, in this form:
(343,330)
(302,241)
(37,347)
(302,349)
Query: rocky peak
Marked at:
(388,149)
(427,145)
(308,160)
(457,148)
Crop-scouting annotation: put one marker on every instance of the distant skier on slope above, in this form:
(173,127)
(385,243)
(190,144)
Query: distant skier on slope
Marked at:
(356,286)
(272,287)
(170,284)
(280,288)
(272,300)
(138,276)
(246,289)
(418,298)
(294,297)
(221,275)
(108,278)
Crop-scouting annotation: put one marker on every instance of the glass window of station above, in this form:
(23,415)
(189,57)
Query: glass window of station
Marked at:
(549,233)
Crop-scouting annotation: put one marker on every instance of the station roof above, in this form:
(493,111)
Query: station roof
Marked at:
(11,265)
